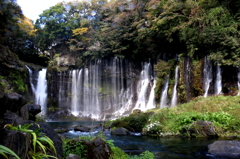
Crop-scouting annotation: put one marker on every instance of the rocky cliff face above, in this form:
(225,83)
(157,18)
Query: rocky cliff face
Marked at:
(13,82)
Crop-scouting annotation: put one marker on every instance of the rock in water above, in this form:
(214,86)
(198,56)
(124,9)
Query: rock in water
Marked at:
(120,131)
(224,149)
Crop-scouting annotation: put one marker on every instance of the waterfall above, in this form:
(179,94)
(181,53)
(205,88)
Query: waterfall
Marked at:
(41,91)
(174,96)
(163,102)
(107,89)
(76,86)
(218,82)
(151,101)
(238,80)
(30,79)
(142,87)
(207,74)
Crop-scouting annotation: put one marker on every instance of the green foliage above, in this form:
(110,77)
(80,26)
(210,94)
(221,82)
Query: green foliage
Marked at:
(134,122)
(16,80)
(74,147)
(4,151)
(222,111)
(40,143)
(144,155)
(120,154)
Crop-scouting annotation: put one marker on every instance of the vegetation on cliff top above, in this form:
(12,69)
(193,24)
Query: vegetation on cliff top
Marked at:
(131,29)
(223,111)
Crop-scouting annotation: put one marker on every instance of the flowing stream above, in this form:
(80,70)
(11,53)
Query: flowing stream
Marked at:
(166,148)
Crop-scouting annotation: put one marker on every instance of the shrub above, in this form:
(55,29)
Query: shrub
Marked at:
(74,146)
(39,142)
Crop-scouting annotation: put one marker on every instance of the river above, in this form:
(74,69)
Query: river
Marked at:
(164,148)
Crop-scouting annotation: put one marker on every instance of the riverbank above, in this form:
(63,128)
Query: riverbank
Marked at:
(221,113)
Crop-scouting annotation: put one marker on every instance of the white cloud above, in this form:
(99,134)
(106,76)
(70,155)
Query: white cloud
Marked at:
(33,8)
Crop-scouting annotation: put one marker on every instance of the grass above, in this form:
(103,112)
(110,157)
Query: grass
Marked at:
(223,111)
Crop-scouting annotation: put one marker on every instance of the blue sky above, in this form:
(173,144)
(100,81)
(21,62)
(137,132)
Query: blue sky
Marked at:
(33,8)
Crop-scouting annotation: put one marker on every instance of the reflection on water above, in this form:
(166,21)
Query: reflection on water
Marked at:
(164,148)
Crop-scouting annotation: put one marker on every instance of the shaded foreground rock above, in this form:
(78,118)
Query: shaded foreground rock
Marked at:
(224,149)
(29,111)
(120,131)
(12,102)
(14,119)
(97,148)
(16,141)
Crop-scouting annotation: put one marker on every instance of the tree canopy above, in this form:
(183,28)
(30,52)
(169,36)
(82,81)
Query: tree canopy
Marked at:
(128,28)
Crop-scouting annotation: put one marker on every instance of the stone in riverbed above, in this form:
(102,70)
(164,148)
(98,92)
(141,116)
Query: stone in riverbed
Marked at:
(224,149)
(81,128)
(120,131)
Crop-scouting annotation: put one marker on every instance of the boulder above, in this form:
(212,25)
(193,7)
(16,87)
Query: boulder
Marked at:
(11,101)
(17,141)
(120,131)
(29,111)
(201,129)
(14,119)
(81,128)
(62,114)
(224,149)
(73,156)
(136,111)
(97,148)
(61,130)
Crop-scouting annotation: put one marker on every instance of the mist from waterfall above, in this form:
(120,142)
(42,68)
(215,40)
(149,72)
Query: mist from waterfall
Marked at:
(163,102)
(175,96)
(207,75)
(218,82)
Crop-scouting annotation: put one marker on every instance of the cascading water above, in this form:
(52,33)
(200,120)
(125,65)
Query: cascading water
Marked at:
(207,74)
(30,79)
(218,82)
(163,102)
(174,96)
(238,80)
(142,88)
(106,89)
(41,91)
(151,102)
